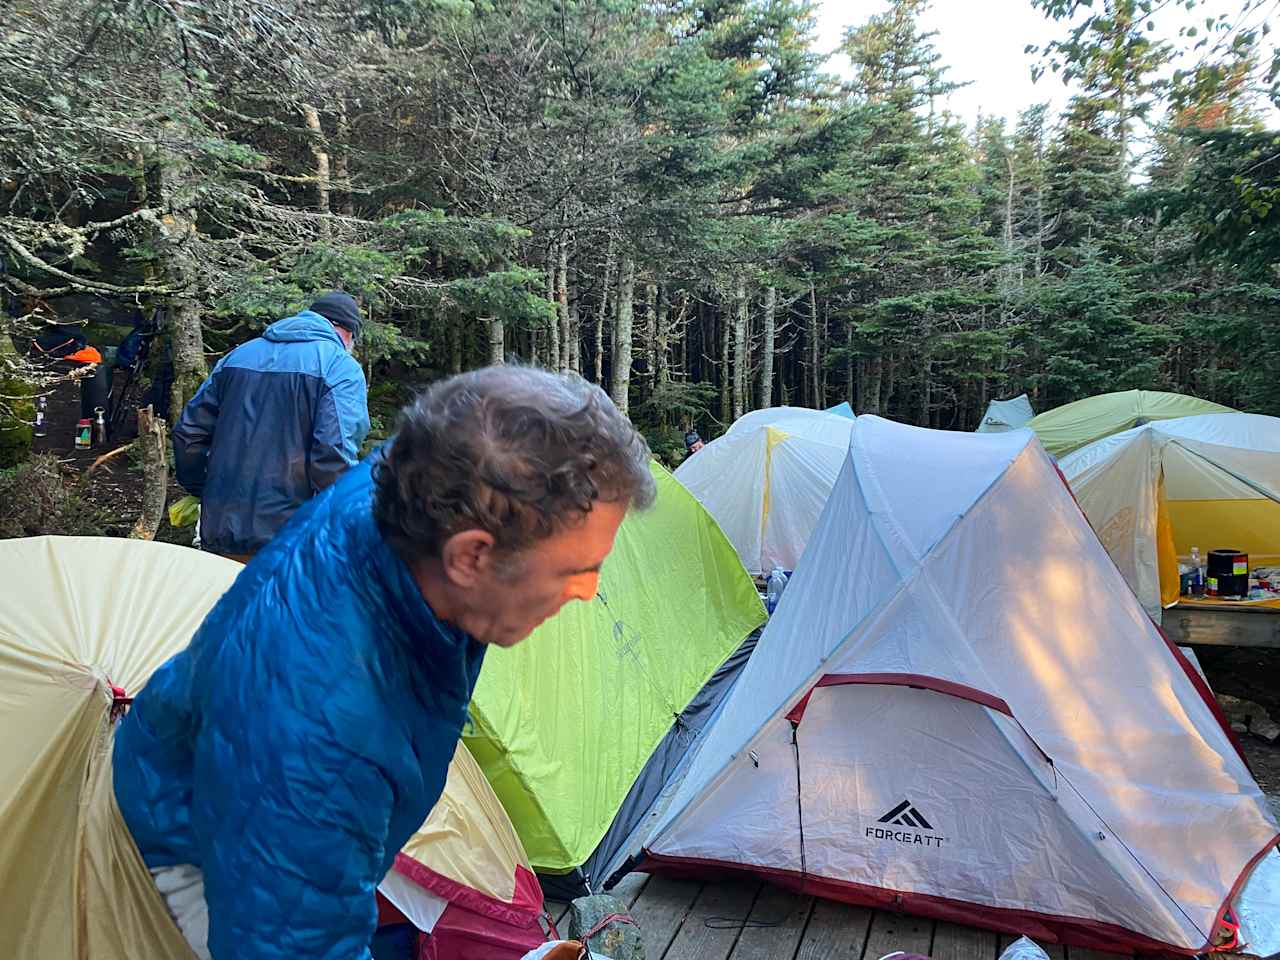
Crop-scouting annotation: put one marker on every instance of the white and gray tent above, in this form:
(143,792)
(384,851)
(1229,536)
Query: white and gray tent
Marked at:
(959,710)
(1004,415)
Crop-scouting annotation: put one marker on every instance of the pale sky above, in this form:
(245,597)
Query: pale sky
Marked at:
(982,41)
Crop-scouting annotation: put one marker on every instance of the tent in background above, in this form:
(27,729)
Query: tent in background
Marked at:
(1005,415)
(1074,425)
(84,622)
(941,717)
(1154,492)
(565,724)
(766,480)
(664,767)
(842,409)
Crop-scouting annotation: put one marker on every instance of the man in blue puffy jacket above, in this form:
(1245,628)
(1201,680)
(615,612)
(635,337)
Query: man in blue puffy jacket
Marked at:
(271,771)
(278,420)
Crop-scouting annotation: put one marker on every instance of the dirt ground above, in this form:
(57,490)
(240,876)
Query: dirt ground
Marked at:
(1250,673)
(115,486)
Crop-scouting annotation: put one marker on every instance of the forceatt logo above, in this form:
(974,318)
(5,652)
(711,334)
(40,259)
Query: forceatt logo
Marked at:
(905,815)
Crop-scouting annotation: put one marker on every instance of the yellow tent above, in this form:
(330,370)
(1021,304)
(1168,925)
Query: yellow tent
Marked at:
(1154,492)
(83,624)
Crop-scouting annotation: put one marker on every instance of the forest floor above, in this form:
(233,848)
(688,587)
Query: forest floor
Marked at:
(115,488)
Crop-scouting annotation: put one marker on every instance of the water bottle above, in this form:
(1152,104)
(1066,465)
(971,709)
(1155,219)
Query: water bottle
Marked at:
(1197,573)
(773,590)
(42,405)
(99,427)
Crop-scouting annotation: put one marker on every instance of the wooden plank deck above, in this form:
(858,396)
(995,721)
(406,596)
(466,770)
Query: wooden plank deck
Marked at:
(690,920)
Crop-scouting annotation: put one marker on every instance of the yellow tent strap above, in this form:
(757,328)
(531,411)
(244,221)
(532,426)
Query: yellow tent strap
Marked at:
(1166,552)
(773,437)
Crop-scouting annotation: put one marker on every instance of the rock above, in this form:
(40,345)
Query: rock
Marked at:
(1239,727)
(618,940)
(1244,712)
(1268,730)
(1237,710)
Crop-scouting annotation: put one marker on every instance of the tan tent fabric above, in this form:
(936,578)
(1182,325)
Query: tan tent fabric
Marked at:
(468,837)
(78,615)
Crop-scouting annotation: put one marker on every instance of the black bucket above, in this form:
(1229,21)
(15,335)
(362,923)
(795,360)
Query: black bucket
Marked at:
(94,390)
(1228,574)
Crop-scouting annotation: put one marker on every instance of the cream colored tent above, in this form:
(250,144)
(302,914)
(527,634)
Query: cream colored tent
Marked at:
(767,479)
(83,624)
(1154,492)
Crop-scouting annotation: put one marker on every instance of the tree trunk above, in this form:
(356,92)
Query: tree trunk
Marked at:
(650,336)
(553,325)
(575,320)
(1040,238)
(888,382)
(323,183)
(497,338)
(17,403)
(824,335)
(870,374)
(562,303)
(622,334)
(342,162)
(604,310)
(175,242)
(924,391)
(765,396)
(1008,244)
(849,364)
(741,377)
(455,347)
(662,341)
(153,440)
(726,372)
(815,371)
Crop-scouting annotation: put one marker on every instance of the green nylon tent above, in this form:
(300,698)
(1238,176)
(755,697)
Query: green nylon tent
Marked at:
(563,723)
(1075,425)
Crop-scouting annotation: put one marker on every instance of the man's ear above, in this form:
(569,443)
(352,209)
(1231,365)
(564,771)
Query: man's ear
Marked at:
(467,556)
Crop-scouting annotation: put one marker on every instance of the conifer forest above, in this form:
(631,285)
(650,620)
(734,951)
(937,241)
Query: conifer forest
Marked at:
(682,201)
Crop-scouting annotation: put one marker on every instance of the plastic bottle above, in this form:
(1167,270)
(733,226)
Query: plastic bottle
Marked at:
(773,589)
(1197,573)
(42,406)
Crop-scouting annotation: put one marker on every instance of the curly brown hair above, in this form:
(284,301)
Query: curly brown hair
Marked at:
(515,451)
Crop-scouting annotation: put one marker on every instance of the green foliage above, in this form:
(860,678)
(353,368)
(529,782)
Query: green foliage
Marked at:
(915,267)
(1232,196)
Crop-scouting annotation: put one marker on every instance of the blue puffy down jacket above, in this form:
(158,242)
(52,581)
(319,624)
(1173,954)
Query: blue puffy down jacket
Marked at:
(277,421)
(300,740)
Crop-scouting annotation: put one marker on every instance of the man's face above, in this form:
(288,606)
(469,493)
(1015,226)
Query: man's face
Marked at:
(347,337)
(563,567)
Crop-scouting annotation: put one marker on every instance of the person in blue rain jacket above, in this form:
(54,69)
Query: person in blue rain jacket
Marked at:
(279,420)
(270,772)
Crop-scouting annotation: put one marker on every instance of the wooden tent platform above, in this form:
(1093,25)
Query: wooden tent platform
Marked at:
(689,920)
(1243,626)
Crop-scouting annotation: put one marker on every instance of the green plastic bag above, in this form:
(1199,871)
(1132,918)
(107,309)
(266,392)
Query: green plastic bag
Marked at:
(603,923)
(184,512)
